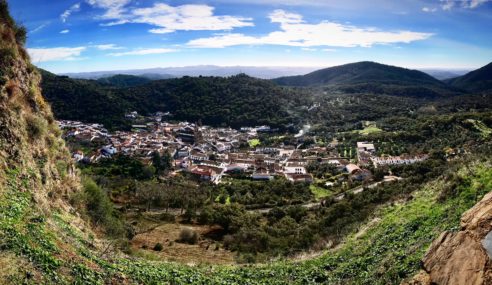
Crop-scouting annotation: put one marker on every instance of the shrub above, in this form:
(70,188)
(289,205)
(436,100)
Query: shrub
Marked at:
(4,12)
(101,210)
(158,247)
(7,55)
(166,217)
(188,236)
(36,126)
(20,34)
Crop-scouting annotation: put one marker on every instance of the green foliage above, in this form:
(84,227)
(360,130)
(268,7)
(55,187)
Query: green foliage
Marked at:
(4,13)
(120,165)
(385,253)
(158,247)
(22,230)
(373,78)
(100,209)
(84,100)
(479,80)
(20,35)
(123,80)
(36,127)
(162,163)
(259,194)
(254,143)
(234,101)
(7,56)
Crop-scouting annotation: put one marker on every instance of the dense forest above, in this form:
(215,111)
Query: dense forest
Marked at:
(240,100)
(233,101)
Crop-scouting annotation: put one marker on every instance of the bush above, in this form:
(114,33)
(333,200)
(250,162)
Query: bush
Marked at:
(7,55)
(188,236)
(100,209)
(21,34)
(158,247)
(4,12)
(36,126)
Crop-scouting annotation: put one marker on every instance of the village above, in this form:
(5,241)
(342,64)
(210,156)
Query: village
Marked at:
(212,153)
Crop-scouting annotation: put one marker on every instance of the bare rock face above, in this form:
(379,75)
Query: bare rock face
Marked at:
(462,257)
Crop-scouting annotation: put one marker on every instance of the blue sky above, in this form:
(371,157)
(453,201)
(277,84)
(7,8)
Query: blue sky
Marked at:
(95,35)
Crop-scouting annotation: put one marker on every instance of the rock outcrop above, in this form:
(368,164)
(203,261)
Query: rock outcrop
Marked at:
(462,257)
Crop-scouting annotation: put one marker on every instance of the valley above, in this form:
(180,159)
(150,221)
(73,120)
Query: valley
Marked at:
(360,173)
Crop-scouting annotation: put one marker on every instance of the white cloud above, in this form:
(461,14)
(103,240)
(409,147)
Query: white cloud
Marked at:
(38,28)
(114,8)
(468,4)
(429,10)
(329,50)
(167,19)
(55,54)
(144,52)
(308,49)
(108,47)
(280,16)
(476,3)
(294,32)
(447,5)
(74,8)
(65,31)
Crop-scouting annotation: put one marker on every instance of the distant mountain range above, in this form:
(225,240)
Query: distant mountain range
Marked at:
(443,74)
(253,71)
(199,70)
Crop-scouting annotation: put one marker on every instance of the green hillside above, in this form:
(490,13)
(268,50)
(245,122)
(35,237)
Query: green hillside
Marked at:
(234,101)
(123,80)
(479,80)
(361,72)
(371,77)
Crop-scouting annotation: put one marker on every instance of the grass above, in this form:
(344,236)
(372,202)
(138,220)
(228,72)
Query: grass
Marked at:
(254,143)
(370,130)
(319,192)
(386,252)
(481,127)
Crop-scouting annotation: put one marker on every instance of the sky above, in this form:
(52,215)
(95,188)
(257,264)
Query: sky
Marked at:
(95,35)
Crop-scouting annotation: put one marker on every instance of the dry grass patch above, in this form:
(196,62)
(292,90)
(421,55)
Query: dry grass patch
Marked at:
(205,251)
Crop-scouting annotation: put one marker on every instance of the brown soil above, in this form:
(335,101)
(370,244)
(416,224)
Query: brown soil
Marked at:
(205,251)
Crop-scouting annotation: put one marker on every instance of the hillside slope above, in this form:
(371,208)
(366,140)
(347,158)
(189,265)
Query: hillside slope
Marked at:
(462,256)
(360,72)
(479,80)
(123,80)
(83,100)
(371,77)
(36,172)
(235,101)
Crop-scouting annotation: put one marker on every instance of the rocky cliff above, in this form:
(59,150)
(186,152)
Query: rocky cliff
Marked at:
(37,176)
(464,256)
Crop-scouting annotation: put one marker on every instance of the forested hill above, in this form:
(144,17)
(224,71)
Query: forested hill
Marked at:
(231,101)
(84,100)
(371,77)
(360,72)
(124,80)
(479,80)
